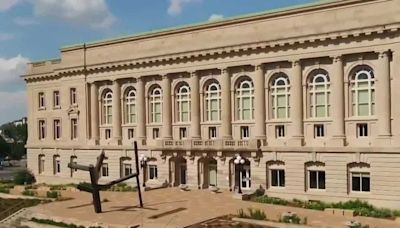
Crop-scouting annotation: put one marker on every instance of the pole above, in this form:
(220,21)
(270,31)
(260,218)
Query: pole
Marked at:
(240,173)
(95,193)
(137,172)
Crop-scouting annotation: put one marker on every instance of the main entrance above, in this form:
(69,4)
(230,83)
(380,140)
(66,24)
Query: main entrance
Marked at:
(177,171)
(239,174)
(207,170)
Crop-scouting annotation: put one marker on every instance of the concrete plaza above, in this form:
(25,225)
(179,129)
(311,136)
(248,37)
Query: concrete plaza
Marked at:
(174,208)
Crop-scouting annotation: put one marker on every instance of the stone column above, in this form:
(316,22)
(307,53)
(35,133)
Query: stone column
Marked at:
(259,102)
(141,110)
(296,103)
(94,112)
(226,128)
(167,104)
(383,94)
(337,99)
(195,106)
(116,111)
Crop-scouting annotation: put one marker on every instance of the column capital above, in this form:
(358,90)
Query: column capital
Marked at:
(337,58)
(193,73)
(165,76)
(383,54)
(225,70)
(296,62)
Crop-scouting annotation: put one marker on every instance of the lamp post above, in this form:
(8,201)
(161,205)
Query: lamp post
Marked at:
(239,162)
(143,163)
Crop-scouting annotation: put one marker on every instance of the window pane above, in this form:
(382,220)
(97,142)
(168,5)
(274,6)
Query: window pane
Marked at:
(281,101)
(363,97)
(282,178)
(214,104)
(321,180)
(363,110)
(313,179)
(246,115)
(320,99)
(274,177)
(281,113)
(355,180)
(365,184)
(320,111)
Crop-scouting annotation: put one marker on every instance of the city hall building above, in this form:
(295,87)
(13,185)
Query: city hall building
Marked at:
(306,96)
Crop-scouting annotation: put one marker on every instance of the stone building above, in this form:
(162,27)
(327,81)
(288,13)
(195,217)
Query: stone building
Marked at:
(305,95)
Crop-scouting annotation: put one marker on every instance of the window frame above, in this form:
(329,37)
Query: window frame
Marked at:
(276,93)
(155,99)
(42,129)
(74,129)
(41,101)
(243,93)
(212,96)
(355,89)
(314,91)
(107,106)
(183,99)
(56,99)
(130,107)
(72,97)
(155,172)
(57,129)
(278,167)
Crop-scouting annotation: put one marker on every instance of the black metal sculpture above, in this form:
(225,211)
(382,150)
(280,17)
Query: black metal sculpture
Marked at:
(94,172)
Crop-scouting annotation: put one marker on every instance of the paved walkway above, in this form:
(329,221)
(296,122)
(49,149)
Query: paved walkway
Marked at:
(174,208)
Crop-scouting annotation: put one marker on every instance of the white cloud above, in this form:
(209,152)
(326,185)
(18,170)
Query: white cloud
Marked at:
(94,13)
(7,4)
(12,88)
(176,6)
(6,36)
(25,21)
(215,17)
(13,106)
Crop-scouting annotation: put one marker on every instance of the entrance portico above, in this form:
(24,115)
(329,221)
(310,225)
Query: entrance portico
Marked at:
(178,171)
(207,172)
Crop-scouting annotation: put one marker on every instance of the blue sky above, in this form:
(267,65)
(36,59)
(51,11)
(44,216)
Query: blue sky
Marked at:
(35,29)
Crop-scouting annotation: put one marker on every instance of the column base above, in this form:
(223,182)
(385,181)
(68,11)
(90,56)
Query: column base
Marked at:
(94,142)
(296,141)
(337,141)
(116,141)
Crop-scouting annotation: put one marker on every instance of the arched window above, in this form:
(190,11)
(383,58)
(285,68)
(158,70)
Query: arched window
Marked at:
(183,103)
(280,96)
(363,91)
(213,102)
(319,94)
(156,105)
(107,108)
(315,175)
(130,105)
(359,177)
(245,100)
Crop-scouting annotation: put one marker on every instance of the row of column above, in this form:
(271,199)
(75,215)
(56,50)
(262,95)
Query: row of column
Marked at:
(337,103)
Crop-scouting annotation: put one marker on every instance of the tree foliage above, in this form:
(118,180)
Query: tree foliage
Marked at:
(19,134)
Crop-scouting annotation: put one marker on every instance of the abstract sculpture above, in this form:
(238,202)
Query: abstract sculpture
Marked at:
(94,172)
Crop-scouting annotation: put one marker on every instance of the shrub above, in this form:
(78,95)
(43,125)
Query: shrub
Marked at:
(4,189)
(122,187)
(29,193)
(257,214)
(292,219)
(242,214)
(58,187)
(53,194)
(271,200)
(316,205)
(23,177)
(54,223)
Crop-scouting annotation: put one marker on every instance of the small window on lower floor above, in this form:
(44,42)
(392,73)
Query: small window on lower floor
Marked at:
(212,132)
(153,174)
(316,179)
(244,132)
(156,133)
(277,178)
(360,182)
(182,133)
(127,169)
(362,130)
(319,131)
(131,133)
(104,170)
(108,133)
(280,131)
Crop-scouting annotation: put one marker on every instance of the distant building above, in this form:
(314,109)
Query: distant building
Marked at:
(20,122)
(306,96)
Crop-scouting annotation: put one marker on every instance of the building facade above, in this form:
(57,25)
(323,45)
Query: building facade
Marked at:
(306,96)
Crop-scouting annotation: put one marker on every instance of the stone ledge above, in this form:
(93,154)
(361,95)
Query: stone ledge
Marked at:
(269,223)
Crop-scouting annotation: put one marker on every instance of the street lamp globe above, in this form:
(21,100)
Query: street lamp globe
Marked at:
(242,161)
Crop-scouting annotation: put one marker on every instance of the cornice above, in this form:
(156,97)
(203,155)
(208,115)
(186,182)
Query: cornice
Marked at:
(215,52)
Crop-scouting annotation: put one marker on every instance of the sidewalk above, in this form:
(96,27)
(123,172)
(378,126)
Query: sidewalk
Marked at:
(174,208)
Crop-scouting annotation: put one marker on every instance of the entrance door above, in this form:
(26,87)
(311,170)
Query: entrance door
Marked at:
(212,174)
(182,173)
(245,177)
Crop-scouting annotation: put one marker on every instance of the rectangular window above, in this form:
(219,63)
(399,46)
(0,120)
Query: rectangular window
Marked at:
(153,175)
(279,131)
(212,132)
(42,102)
(72,94)
(57,166)
(244,132)
(277,177)
(104,170)
(57,129)
(156,133)
(362,130)
(316,179)
(319,131)
(127,169)
(74,128)
(108,133)
(360,182)
(131,133)
(42,129)
(182,133)
(56,99)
